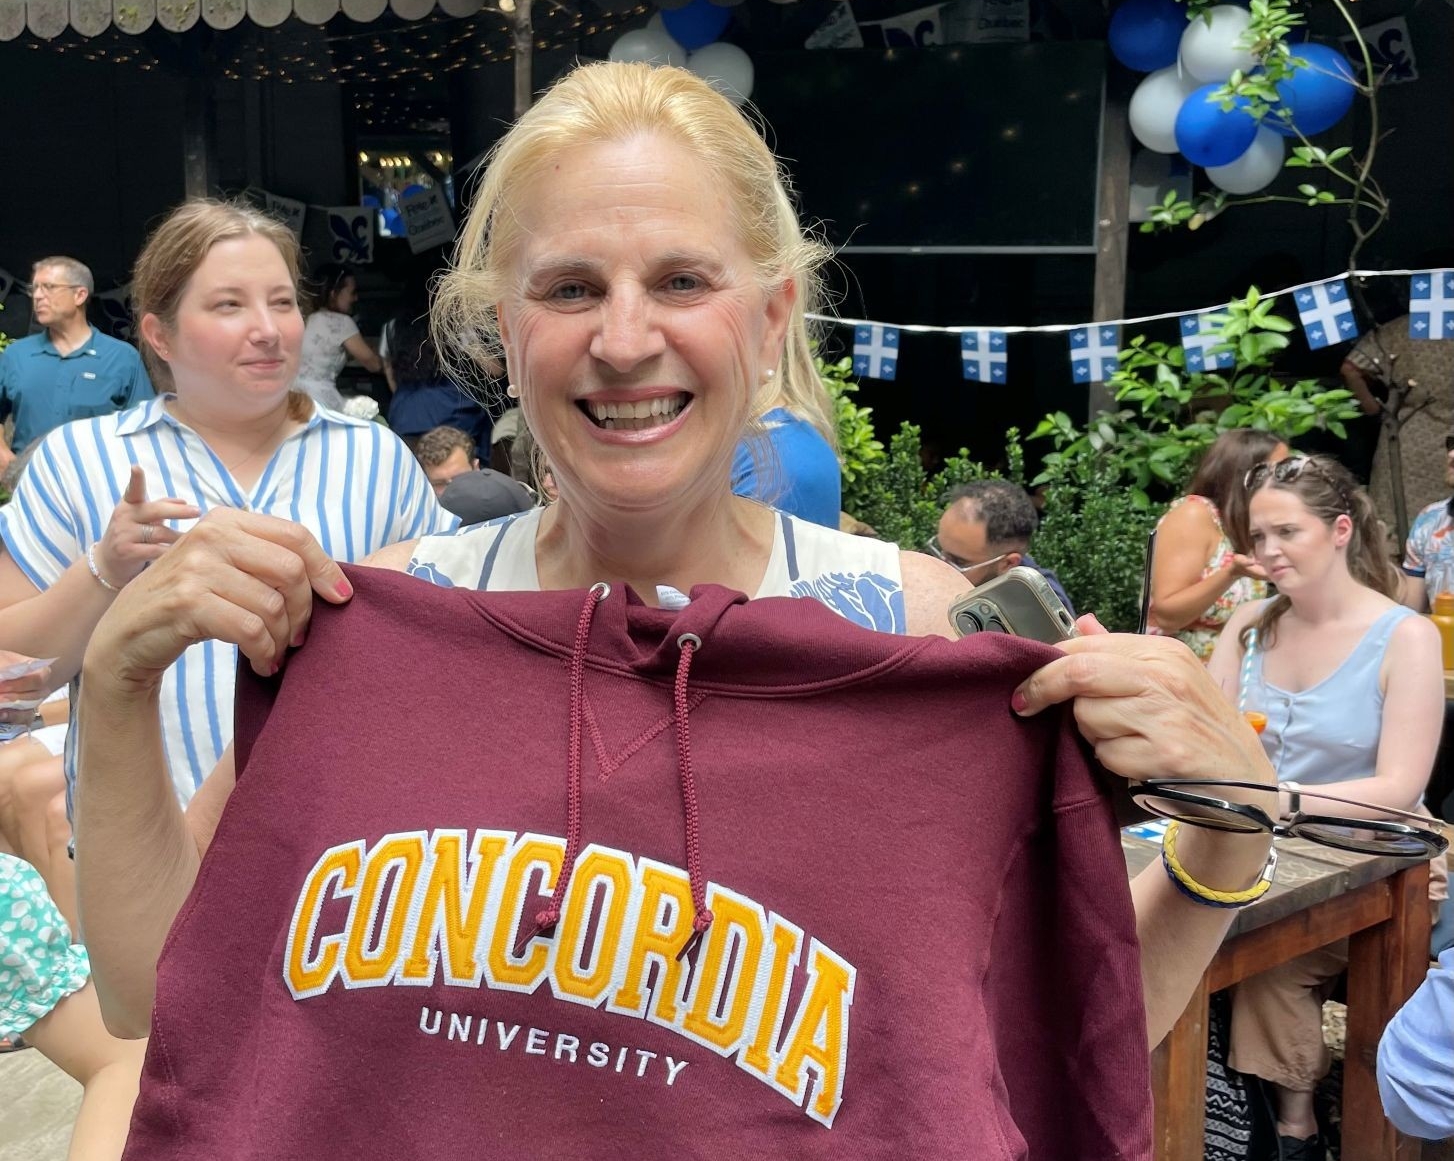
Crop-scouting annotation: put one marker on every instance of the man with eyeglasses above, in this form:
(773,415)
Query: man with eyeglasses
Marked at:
(1428,562)
(67,370)
(986,530)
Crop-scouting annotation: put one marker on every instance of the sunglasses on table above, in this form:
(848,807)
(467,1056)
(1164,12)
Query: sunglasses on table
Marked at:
(965,567)
(1310,815)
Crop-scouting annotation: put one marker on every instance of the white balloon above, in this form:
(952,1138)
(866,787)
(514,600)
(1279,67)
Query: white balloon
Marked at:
(1255,169)
(1209,51)
(656,23)
(1154,106)
(726,68)
(653,47)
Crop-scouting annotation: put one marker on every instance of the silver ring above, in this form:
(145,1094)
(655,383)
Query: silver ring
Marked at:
(147,531)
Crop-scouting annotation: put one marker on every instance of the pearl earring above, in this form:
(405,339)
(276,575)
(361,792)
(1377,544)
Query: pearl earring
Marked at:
(768,375)
(512,391)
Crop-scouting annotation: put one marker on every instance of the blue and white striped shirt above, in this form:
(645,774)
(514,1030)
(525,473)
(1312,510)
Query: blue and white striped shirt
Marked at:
(350,482)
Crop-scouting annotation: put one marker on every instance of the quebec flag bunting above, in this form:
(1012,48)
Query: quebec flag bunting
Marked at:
(1326,313)
(1198,337)
(1431,305)
(1093,353)
(875,351)
(984,355)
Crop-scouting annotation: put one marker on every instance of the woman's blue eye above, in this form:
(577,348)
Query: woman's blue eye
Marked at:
(684,282)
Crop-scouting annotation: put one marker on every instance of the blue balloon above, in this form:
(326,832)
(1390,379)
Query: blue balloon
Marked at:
(1144,34)
(411,190)
(698,23)
(1208,136)
(1318,93)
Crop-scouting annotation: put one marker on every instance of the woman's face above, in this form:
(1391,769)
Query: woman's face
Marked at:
(345,298)
(1289,540)
(238,331)
(635,327)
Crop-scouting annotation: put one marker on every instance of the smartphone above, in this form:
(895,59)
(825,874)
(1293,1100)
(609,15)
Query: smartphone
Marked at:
(1020,602)
(1145,617)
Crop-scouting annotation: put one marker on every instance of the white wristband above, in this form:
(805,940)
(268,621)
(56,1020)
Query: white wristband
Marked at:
(96,572)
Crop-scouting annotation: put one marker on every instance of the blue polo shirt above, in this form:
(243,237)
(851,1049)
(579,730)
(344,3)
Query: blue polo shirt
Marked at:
(45,389)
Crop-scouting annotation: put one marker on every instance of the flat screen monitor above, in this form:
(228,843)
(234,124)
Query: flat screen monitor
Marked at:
(958,148)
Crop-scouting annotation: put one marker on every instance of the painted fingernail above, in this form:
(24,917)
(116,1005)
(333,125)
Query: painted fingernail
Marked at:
(343,590)
(298,638)
(1018,702)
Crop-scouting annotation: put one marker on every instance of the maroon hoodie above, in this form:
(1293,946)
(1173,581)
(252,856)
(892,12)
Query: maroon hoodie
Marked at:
(829,898)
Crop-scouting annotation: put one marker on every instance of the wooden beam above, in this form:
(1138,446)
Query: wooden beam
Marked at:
(1318,926)
(1385,964)
(1179,1079)
(199,138)
(524,51)
(1113,217)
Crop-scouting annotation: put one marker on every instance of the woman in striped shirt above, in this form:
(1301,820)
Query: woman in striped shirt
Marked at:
(216,293)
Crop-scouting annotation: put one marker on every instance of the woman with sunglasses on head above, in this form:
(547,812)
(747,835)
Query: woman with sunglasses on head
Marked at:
(1201,570)
(331,337)
(1351,686)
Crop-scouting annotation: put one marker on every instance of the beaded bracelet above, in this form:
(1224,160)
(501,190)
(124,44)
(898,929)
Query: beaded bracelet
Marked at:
(96,572)
(1204,895)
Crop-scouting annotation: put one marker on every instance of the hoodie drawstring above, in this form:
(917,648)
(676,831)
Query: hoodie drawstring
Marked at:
(687,644)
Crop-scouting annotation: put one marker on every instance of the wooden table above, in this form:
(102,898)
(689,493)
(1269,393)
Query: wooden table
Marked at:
(1320,895)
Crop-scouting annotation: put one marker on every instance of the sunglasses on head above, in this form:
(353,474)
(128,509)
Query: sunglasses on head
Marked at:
(1285,471)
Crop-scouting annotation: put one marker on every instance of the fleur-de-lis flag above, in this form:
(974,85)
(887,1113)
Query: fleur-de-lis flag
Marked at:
(875,351)
(1199,334)
(1094,352)
(1326,313)
(1431,305)
(985,356)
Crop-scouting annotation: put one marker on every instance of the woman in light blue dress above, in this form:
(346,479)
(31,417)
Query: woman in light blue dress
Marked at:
(1351,685)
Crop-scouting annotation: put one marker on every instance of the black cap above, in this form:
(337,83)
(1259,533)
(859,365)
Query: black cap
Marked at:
(483,495)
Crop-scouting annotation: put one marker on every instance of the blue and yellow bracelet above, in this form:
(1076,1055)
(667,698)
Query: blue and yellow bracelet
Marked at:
(1198,892)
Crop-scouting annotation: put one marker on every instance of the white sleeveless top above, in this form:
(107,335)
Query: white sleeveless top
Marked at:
(855,576)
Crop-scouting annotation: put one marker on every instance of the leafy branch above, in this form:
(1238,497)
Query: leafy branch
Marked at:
(1172,412)
(1266,38)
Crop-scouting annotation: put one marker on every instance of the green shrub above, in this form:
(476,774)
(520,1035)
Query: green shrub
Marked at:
(1093,534)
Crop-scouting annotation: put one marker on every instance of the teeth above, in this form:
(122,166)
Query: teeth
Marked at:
(636,416)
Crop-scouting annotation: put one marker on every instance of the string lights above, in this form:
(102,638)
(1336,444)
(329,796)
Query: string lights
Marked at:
(392,60)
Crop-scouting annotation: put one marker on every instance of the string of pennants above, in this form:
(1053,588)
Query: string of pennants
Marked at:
(1324,309)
